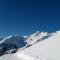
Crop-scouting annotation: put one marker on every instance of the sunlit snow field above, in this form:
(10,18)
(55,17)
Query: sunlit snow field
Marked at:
(47,49)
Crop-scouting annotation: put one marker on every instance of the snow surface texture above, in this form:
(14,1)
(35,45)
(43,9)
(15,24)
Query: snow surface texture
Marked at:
(41,48)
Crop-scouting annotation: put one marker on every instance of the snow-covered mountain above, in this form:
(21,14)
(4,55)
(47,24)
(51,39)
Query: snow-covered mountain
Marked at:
(36,37)
(14,42)
(37,46)
(11,44)
(14,39)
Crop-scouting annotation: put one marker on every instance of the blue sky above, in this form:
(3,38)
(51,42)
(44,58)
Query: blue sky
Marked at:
(27,16)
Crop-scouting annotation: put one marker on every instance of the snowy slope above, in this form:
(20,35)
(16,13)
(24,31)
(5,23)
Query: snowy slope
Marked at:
(36,37)
(49,48)
(19,56)
(45,49)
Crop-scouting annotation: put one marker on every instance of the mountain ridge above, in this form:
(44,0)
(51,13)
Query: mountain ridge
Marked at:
(39,45)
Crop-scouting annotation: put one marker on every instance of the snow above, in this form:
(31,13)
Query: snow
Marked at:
(25,57)
(32,39)
(47,49)
(11,44)
(5,39)
(20,56)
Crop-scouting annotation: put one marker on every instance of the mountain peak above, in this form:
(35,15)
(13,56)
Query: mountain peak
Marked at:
(33,38)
